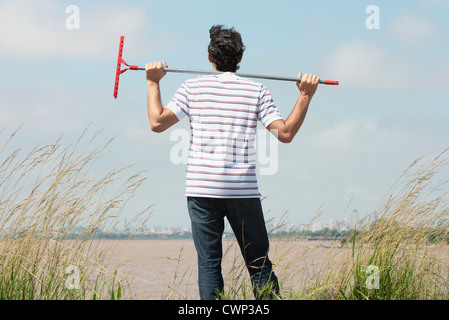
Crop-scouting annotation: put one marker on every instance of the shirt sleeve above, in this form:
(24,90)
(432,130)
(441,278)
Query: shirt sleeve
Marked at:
(179,104)
(267,112)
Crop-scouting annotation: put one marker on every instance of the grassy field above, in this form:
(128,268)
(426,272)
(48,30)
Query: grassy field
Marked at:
(398,252)
(45,196)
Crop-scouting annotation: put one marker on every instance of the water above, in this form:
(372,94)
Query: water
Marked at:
(157,269)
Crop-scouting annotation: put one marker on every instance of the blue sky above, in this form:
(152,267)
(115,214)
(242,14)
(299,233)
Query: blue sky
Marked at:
(390,108)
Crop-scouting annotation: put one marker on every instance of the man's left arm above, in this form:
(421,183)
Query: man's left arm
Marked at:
(160,119)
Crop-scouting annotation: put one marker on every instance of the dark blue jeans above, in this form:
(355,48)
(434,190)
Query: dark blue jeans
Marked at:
(246,219)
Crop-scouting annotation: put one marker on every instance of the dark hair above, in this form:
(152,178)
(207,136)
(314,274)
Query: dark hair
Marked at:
(225,48)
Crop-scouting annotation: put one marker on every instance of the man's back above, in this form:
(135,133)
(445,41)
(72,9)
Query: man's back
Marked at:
(223,111)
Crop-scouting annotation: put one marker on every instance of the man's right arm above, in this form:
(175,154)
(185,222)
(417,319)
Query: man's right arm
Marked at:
(285,130)
(160,118)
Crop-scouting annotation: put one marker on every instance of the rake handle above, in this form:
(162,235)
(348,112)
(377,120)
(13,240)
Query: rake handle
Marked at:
(246,75)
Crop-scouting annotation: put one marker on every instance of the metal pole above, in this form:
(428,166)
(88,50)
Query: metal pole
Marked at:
(246,75)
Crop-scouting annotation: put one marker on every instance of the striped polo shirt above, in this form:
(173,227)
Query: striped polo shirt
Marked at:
(223,111)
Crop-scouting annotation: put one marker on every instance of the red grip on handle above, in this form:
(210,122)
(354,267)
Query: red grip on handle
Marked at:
(331,82)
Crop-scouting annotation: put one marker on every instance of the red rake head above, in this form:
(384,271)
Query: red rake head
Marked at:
(119,64)
(118,71)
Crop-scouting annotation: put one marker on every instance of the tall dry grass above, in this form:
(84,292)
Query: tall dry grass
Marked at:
(399,251)
(406,240)
(51,207)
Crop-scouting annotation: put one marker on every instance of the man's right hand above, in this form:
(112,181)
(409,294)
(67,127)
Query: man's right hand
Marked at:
(308,84)
(155,71)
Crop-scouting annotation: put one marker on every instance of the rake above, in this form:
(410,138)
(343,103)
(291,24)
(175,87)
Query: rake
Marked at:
(120,61)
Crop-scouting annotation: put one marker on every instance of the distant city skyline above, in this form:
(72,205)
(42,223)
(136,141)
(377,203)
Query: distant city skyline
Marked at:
(332,224)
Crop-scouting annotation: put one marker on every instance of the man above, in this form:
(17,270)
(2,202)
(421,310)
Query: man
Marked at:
(223,111)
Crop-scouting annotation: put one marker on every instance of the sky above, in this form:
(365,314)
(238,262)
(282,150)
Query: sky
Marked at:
(390,108)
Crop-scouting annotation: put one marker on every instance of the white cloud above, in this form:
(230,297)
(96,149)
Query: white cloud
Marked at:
(346,135)
(49,107)
(413,30)
(369,66)
(30,29)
